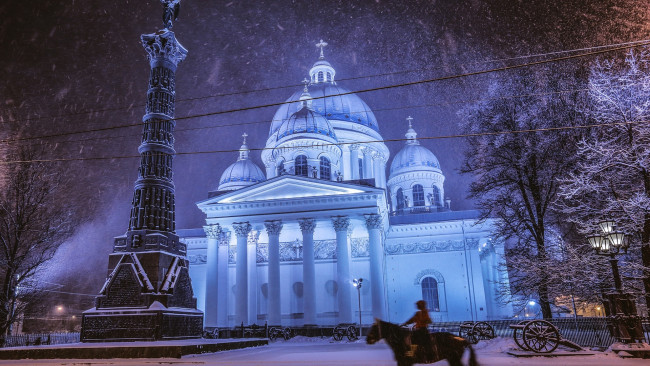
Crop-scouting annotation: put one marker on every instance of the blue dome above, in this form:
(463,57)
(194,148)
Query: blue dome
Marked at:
(240,174)
(306,121)
(330,105)
(413,157)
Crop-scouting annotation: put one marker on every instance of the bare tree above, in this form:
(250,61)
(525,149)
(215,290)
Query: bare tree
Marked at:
(612,179)
(35,219)
(516,173)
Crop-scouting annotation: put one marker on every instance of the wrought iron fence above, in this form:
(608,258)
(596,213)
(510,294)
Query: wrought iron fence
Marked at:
(587,332)
(37,339)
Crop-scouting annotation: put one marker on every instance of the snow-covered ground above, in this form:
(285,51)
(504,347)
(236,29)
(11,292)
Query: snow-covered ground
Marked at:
(324,352)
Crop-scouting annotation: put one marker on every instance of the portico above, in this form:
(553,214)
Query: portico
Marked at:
(276,221)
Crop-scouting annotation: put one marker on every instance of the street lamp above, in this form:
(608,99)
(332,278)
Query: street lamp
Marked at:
(357,283)
(620,309)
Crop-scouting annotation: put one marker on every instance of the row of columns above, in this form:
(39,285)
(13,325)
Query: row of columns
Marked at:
(373,165)
(216,292)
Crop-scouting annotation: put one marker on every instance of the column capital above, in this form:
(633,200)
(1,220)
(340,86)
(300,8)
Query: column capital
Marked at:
(163,46)
(253,237)
(212,231)
(340,223)
(354,147)
(373,221)
(242,228)
(224,238)
(307,224)
(273,227)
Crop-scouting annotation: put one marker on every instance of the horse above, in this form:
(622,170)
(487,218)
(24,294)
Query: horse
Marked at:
(445,345)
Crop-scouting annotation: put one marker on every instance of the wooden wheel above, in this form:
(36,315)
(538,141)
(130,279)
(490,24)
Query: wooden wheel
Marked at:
(464,330)
(541,336)
(338,333)
(352,333)
(482,331)
(517,336)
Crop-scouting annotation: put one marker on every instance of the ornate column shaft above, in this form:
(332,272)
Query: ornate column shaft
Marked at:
(378,172)
(241,273)
(222,279)
(307,227)
(354,162)
(273,228)
(343,279)
(375,249)
(212,232)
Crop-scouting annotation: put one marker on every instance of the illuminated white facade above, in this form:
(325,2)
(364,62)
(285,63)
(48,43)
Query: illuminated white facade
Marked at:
(285,248)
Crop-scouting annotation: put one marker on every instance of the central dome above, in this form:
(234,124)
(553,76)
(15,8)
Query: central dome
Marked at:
(330,104)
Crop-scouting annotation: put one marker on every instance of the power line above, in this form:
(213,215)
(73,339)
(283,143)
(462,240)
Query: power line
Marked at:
(630,43)
(412,83)
(467,135)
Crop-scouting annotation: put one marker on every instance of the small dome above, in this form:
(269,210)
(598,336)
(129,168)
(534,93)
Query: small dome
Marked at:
(241,173)
(330,104)
(306,121)
(413,156)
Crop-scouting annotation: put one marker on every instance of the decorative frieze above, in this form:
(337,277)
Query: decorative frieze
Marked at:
(291,251)
(430,246)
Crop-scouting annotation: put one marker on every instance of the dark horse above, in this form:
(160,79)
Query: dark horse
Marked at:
(445,345)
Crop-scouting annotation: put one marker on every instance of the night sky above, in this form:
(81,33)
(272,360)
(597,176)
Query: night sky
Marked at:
(79,65)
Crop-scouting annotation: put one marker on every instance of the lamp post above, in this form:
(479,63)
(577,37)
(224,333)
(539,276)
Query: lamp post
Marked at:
(620,309)
(357,283)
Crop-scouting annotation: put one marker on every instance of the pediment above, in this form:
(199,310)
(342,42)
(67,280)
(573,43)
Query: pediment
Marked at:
(287,187)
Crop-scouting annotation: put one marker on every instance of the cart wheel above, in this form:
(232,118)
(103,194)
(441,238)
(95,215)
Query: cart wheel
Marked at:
(273,334)
(517,336)
(541,336)
(287,334)
(463,331)
(482,331)
(337,334)
(352,333)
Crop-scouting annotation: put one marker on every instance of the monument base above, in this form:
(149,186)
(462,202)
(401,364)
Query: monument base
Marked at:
(141,324)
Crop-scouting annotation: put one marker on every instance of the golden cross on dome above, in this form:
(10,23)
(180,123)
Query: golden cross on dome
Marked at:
(409,118)
(321,45)
(306,82)
(244,135)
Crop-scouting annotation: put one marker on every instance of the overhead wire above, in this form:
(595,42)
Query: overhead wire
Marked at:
(465,135)
(391,86)
(630,43)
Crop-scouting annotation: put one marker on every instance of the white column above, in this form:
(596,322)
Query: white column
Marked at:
(222,279)
(375,248)
(345,163)
(341,225)
(253,236)
(376,162)
(307,227)
(212,232)
(241,273)
(273,228)
(354,162)
(271,171)
(367,163)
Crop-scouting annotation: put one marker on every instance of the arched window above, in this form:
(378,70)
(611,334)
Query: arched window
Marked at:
(430,293)
(329,76)
(325,168)
(437,199)
(400,199)
(418,195)
(301,166)
(361,169)
(321,77)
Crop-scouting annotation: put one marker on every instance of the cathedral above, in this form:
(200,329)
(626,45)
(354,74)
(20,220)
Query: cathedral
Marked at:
(322,235)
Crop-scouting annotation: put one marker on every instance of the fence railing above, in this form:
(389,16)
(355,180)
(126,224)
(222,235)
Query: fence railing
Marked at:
(587,332)
(40,339)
